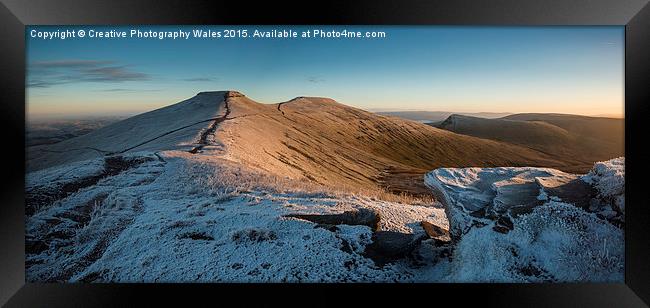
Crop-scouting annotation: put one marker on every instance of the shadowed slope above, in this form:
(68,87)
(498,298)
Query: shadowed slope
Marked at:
(600,134)
(438,116)
(172,127)
(578,140)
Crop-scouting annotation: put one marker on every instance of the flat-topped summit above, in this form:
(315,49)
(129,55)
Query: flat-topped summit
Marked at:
(223,93)
(204,93)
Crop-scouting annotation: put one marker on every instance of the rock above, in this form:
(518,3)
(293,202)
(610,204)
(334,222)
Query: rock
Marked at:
(389,246)
(492,196)
(362,216)
(608,180)
(440,235)
(496,196)
(569,189)
(331,228)
(503,225)
(544,212)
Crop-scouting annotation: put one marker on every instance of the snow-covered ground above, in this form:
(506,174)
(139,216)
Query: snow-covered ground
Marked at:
(609,180)
(534,224)
(177,217)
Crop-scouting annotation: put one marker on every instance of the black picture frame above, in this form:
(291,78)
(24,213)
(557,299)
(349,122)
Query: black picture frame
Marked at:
(633,14)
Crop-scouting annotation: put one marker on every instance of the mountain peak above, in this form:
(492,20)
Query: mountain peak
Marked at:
(450,120)
(234,94)
(202,93)
(313,100)
(226,93)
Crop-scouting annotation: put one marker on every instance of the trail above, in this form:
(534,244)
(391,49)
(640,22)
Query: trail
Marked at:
(160,136)
(280,104)
(75,149)
(203,140)
(289,101)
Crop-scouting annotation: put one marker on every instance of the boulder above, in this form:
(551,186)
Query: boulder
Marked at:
(361,216)
(389,246)
(439,234)
(490,196)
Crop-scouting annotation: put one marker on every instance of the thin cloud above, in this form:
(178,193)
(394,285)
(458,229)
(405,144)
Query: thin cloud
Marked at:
(40,84)
(44,74)
(200,79)
(69,63)
(113,73)
(314,79)
(127,90)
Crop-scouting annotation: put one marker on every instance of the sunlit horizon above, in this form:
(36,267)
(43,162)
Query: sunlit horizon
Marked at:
(55,110)
(571,70)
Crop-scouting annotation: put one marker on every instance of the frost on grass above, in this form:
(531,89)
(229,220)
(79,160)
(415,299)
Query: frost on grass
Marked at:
(178,217)
(557,242)
(608,178)
(183,218)
(253,235)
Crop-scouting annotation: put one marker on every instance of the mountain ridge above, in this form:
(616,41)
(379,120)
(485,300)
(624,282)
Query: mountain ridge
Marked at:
(312,138)
(331,143)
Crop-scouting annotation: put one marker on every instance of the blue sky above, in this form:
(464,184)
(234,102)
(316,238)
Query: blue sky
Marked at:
(464,69)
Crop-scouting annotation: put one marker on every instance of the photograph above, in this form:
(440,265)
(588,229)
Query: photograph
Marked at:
(324,154)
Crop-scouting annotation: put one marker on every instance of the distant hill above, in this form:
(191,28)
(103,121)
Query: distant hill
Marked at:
(45,131)
(438,116)
(609,130)
(582,139)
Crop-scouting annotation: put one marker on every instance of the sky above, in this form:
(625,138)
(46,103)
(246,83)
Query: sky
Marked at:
(577,70)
